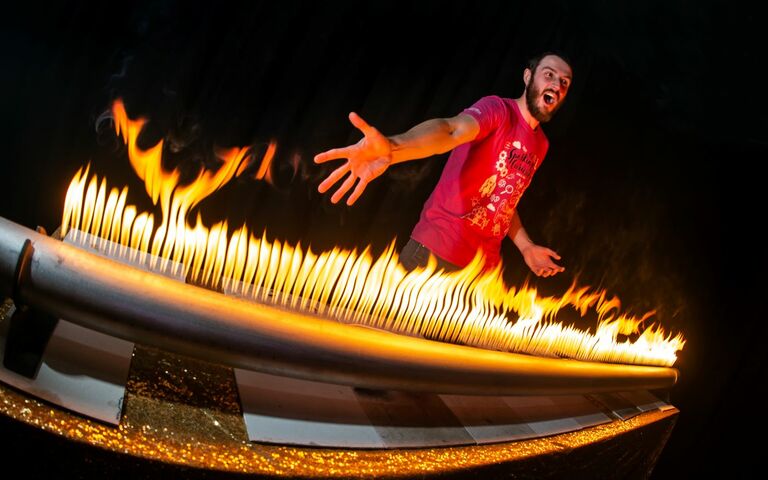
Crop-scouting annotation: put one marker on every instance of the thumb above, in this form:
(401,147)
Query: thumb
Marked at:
(359,123)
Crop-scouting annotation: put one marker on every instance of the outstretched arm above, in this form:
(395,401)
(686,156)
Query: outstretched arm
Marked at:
(374,153)
(538,258)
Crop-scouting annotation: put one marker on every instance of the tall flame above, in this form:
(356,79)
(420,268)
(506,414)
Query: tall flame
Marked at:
(471,306)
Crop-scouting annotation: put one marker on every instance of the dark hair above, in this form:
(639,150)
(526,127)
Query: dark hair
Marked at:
(534,62)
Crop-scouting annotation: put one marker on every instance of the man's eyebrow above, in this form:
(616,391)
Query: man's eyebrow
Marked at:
(550,68)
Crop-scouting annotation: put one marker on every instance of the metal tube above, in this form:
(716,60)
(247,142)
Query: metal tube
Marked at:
(150,309)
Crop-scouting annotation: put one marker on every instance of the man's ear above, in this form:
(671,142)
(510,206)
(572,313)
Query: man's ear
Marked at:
(527,76)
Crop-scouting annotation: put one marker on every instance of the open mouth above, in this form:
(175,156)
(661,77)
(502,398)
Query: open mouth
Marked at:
(550,98)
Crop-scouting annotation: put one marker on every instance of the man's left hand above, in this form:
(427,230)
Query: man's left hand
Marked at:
(539,259)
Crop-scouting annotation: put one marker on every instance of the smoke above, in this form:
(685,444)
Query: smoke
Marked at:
(620,244)
(412,175)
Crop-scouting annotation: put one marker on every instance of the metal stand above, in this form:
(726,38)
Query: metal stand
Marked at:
(29,329)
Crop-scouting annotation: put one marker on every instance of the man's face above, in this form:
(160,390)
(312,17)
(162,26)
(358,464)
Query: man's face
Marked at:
(547,87)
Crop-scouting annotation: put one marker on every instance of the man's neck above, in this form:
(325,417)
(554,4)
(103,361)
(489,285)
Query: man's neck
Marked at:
(522,105)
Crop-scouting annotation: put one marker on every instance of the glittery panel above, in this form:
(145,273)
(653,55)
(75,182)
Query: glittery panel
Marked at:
(168,394)
(6,309)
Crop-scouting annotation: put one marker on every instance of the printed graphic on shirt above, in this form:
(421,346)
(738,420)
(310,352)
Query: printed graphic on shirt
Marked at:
(496,199)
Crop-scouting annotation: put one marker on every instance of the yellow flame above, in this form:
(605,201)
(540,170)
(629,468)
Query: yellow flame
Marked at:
(471,306)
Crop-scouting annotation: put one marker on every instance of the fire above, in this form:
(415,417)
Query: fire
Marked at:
(471,306)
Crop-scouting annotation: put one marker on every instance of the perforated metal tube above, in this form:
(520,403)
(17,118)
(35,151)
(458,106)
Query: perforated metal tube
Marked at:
(153,310)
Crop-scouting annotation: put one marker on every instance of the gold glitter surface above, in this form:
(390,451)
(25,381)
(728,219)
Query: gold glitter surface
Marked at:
(230,452)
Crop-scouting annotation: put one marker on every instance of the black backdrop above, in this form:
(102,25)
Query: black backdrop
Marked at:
(650,188)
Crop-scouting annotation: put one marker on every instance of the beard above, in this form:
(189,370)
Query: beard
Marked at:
(532,95)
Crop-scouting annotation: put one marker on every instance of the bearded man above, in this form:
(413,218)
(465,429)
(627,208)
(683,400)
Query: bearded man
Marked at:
(497,144)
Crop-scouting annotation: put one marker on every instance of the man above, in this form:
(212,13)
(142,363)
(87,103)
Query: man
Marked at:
(497,146)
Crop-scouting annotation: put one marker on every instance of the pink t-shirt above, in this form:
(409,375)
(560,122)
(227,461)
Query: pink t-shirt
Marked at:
(475,199)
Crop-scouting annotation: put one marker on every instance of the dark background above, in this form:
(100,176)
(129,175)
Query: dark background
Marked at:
(650,188)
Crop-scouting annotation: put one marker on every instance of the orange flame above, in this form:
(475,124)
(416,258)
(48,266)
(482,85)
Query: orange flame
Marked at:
(265,171)
(471,306)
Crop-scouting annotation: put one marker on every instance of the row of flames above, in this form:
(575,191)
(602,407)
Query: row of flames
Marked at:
(471,306)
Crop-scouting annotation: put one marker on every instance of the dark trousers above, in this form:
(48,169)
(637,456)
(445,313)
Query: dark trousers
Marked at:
(415,255)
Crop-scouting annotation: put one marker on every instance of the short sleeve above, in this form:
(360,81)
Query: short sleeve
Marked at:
(489,112)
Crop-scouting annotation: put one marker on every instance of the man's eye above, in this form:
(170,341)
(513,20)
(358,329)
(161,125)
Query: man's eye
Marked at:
(548,74)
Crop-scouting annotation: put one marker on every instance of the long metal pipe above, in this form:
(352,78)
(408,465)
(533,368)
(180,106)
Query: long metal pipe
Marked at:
(150,309)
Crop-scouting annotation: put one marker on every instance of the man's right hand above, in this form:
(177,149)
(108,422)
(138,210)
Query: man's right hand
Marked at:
(366,160)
